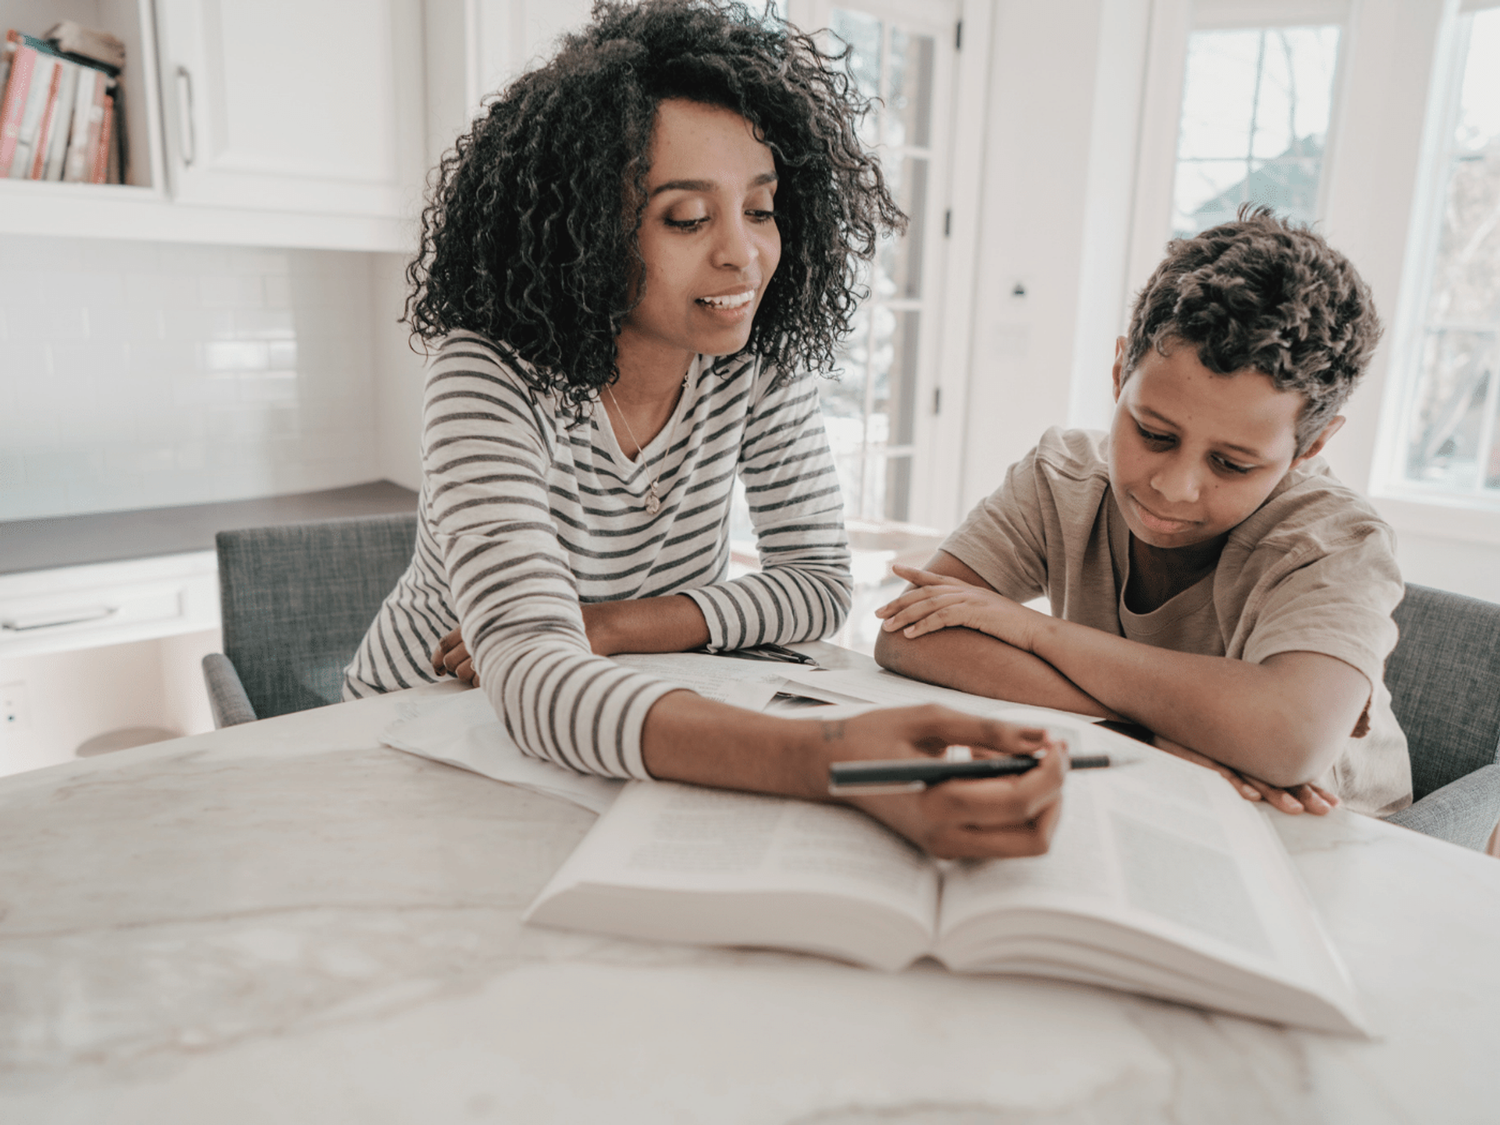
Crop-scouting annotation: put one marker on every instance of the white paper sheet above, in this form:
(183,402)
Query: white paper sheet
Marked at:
(742,683)
(463,731)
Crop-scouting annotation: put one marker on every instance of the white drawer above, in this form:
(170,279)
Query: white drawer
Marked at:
(107,603)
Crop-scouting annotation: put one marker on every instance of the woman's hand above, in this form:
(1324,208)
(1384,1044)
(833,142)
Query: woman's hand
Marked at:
(452,657)
(940,601)
(980,819)
(1299,798)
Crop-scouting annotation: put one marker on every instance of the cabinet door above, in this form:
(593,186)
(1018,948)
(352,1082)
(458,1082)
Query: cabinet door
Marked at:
(311,106)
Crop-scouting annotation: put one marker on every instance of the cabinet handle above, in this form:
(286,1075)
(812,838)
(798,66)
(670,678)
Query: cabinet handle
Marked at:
(185,130)
(22,623)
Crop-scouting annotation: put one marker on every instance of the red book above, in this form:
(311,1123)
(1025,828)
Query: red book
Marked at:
(49,114)
(100,163)
(17,87)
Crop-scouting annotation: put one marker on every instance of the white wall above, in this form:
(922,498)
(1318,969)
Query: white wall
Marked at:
(1059,148)
(1042,63)
(137,374)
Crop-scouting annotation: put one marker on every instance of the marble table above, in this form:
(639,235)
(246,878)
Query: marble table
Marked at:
(287,922)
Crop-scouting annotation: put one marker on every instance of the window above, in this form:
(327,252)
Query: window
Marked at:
(1445,419)
(1256,104)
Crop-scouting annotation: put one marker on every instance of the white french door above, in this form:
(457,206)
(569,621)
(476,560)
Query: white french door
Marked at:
(885,413)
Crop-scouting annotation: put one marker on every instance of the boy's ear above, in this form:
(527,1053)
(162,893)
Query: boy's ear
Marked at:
(1335,424)
(1119,368)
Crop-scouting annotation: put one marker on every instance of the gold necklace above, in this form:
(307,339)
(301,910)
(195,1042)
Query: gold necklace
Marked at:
(653,493)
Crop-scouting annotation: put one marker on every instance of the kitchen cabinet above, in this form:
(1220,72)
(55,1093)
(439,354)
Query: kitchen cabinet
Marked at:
(293,105)
(267,123)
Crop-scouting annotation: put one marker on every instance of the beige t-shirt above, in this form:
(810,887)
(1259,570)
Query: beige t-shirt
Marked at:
(1313,569)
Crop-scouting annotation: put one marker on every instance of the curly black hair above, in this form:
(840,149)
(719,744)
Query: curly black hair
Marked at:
(1264,293)
(531,232)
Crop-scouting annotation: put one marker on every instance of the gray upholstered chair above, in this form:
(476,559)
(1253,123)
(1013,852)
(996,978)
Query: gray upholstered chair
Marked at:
(296,601)
(1444,678)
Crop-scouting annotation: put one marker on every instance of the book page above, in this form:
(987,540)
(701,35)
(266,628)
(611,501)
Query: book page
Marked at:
(884,689)
(1164,848)
(683,838)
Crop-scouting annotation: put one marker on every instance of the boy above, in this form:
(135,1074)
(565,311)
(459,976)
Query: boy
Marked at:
(1211,580)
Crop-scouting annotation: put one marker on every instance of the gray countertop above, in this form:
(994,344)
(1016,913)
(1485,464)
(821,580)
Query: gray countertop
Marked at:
(42,544)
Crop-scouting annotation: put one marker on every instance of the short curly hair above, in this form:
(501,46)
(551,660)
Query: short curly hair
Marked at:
(1268,294)
(530,235)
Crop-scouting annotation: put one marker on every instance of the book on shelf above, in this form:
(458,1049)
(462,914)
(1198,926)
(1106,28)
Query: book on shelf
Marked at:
(102,51)
(1160,880)
(83,44)
(59,114)
(99,165)
(88,118)
(60,122)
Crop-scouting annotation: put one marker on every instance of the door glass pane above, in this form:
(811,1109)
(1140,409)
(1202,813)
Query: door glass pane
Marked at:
(865,36)
(871,410)
(1255,110)
(908,107)
(899,260)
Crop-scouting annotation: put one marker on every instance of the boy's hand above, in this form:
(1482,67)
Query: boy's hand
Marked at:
(940,601)
(1299,798)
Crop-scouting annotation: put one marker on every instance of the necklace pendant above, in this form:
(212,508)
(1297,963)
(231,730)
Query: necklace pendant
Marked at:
(653,500)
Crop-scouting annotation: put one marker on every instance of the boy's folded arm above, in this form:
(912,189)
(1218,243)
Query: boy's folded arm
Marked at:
(971,661)
(975,662)
(1283,720)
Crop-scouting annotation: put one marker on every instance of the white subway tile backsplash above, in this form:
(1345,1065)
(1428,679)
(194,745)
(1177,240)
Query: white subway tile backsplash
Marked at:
(104,362)
(140,375)
(191,259)
(161,291)
(231,291)
(26,361)
(132,325)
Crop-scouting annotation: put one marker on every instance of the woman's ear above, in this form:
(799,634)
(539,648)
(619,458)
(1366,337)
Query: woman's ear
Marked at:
(1335,424)
(1118,372)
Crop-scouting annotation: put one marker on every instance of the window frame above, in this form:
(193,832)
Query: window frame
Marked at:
(1428,510)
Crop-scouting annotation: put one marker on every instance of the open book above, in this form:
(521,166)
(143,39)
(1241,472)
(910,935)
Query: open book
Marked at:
(1160,880)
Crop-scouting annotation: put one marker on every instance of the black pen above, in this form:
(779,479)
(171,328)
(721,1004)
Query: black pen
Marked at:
(910,775)
(778,653)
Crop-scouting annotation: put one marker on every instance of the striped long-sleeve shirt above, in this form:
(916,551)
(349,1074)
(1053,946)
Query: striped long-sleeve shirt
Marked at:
(526,514)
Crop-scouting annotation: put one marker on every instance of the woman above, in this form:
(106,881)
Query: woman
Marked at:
(628,260)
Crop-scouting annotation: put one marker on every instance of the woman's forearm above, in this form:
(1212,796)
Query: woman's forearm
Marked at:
(688,738)
(670,624)
(981,665)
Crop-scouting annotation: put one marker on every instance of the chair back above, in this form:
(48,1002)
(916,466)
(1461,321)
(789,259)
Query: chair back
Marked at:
(296,601)
(1444,677)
